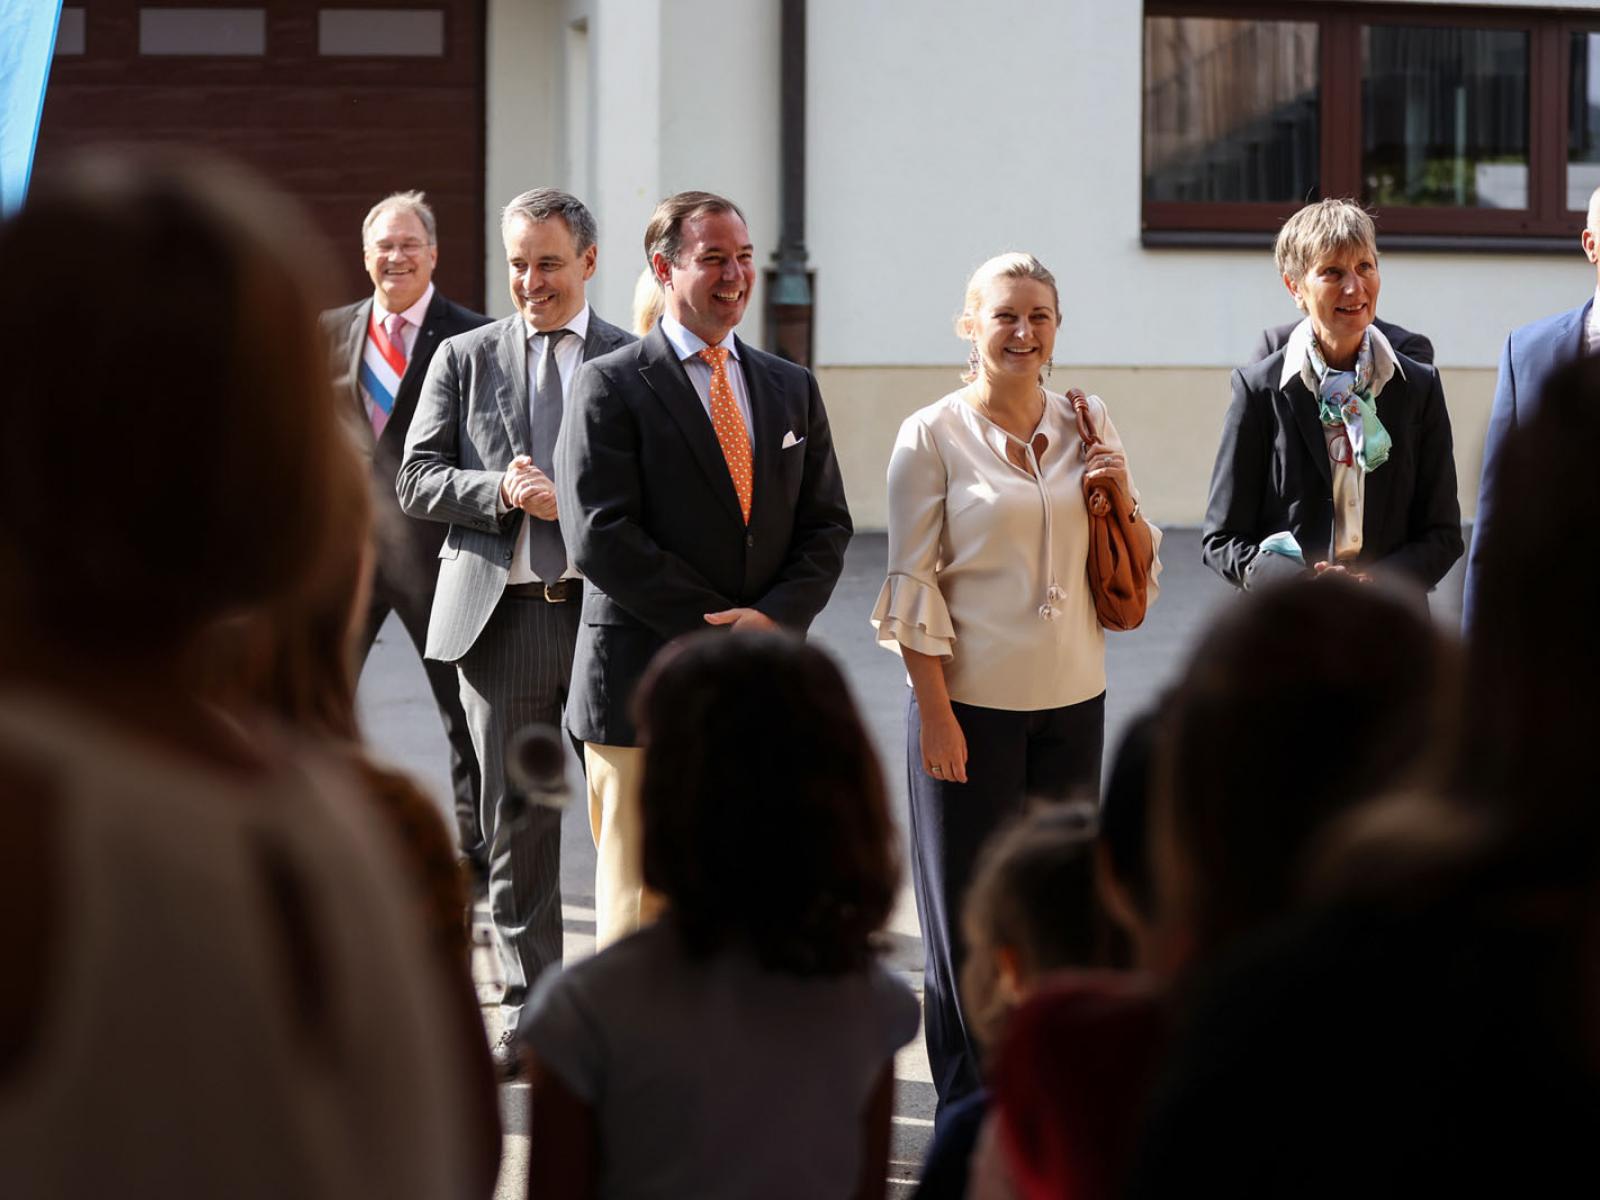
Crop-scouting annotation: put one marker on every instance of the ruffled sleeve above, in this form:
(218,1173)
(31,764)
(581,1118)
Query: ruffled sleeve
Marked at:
(911,611)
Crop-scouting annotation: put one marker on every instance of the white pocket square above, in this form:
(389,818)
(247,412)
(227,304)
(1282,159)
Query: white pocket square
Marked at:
(789,439)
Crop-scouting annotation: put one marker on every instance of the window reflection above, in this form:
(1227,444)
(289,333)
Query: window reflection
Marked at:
(1583,120)
(1230,110)
(1445,116)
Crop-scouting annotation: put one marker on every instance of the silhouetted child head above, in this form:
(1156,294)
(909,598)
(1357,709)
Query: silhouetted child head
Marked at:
(1302,702)
(1030,910)
(1122,855)
(765,822)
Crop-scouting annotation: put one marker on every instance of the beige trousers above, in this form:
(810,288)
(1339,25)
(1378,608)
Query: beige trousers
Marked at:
(622,904)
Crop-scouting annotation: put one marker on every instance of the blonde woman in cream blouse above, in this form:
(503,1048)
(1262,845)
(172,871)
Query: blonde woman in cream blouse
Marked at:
(988,603)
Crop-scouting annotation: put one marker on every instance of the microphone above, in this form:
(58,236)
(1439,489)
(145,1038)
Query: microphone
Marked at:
(536,767)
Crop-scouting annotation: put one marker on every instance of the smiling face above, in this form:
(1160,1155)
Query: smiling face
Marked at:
(708,287)
(1014,327)
(1340,294)
(399,258)
(546,270)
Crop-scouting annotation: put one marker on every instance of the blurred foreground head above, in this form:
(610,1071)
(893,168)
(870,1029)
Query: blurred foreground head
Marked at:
(168,439)
(1533,705)
(765,821)
(1301,702)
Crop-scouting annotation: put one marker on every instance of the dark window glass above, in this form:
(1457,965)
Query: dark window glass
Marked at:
(1445,116)
(70,31)
(1583,120)
(203,31)
(1230,110)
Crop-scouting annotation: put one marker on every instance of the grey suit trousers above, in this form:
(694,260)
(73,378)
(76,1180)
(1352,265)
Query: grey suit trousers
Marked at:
(516,674)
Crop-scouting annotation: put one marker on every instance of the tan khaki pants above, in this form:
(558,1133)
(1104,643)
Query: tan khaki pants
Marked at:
(621,902)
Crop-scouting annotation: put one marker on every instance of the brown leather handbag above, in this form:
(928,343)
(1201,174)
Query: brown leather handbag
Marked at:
(1121,548)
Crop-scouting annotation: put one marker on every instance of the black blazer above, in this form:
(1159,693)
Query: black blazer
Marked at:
(1272,473)
(1412,345)
(408,549)
(651,518)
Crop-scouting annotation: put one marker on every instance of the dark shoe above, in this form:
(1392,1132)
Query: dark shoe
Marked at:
(507,1056)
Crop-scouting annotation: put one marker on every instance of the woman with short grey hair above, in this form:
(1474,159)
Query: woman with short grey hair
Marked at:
(1336,450)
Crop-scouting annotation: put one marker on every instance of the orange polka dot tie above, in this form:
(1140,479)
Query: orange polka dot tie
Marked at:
(731,432)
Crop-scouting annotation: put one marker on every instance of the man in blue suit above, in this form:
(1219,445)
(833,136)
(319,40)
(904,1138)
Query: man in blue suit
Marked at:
(1531,356)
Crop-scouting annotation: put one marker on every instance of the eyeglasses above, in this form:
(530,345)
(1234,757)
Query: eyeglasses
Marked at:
(410,248)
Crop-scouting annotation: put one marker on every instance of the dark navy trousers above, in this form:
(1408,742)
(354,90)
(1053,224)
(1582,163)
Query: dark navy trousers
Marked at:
(1012,758)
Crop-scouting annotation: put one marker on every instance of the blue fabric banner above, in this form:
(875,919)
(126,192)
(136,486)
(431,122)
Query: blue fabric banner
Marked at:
(27,42)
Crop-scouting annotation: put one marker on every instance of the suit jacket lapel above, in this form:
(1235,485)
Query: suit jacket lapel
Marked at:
(664,375)
(765,409)
(1572,337)
(350,353)
(1404,395)
(1304,407)
(602,338)
(510,360)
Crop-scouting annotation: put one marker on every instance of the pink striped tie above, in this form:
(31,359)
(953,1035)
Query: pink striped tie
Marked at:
(393,324)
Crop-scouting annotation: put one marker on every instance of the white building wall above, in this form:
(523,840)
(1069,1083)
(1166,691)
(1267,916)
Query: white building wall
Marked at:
(675,94)
(942,132)
(523,110)
(939,133)
(720,117)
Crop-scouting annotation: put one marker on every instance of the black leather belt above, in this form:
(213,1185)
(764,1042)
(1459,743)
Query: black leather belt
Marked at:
(558,592)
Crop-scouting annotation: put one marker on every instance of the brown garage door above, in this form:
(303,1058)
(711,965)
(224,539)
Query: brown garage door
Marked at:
(338,102)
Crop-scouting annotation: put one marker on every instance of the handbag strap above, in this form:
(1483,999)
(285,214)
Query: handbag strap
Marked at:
(1080,410)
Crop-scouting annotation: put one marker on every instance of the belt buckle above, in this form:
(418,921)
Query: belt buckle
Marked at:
(548,598)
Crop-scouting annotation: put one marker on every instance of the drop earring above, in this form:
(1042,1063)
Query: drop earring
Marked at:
(972,361)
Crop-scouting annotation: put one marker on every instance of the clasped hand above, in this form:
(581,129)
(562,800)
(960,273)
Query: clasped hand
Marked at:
(528,488)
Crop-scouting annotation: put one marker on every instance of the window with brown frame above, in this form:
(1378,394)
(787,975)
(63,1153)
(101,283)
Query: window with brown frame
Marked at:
(1455,125)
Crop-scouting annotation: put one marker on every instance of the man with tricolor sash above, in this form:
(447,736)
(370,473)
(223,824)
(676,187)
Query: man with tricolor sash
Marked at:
(381,347)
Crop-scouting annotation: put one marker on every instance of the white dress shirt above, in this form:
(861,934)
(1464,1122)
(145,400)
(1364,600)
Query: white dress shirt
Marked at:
(688,345)
(414,316)
(978,546)
(569,356)
(1591,328)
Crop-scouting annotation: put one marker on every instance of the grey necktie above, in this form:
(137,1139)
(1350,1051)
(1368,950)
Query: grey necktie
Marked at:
(547,555)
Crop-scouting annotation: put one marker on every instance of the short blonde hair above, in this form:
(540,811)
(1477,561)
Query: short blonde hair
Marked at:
(1014,264)
(647,302)
(1318,229)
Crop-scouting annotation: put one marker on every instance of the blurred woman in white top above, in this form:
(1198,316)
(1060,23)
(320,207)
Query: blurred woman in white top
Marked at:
(987,601)
(212,977)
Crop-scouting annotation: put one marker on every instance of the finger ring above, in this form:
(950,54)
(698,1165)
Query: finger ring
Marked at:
(937,770)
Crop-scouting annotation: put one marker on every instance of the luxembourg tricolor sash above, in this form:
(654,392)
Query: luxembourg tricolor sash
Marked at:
(383,363)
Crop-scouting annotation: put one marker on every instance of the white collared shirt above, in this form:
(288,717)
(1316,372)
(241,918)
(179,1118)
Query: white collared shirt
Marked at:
(569,357)
(1349,480)
(687,346)
(414,316)
(1591,327)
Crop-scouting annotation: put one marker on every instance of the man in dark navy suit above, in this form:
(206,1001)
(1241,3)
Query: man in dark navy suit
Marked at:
(1532,354)
(381,347)
(698,487)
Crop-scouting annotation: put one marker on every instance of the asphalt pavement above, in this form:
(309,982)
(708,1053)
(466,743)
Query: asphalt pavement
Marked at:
(403,726)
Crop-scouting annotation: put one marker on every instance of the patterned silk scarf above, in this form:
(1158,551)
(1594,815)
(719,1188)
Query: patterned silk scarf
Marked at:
(1345,399)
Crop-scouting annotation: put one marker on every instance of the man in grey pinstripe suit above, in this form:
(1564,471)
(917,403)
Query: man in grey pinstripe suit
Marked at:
(479,456)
